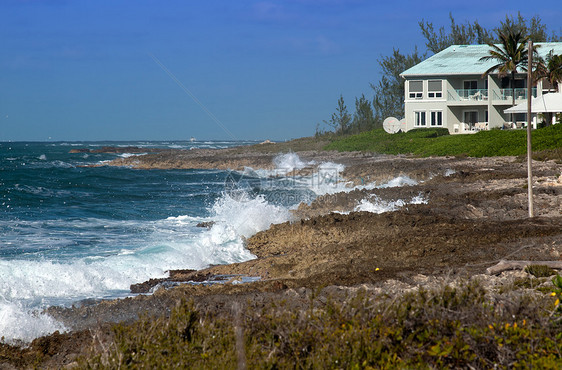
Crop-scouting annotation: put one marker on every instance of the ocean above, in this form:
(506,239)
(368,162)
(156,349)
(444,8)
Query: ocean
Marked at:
(70,231)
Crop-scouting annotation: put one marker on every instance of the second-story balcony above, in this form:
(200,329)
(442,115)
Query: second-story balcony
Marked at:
(507,94)
(481,96)
(468,95)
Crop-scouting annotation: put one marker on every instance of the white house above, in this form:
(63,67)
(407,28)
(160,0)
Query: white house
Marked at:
(448,90)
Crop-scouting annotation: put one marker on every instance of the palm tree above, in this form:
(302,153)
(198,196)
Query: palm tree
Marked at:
(551,69)
(510,55)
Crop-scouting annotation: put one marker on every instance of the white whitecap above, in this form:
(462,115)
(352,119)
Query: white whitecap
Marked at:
(127,155)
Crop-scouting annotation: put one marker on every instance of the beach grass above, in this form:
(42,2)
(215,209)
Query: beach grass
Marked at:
(547,142)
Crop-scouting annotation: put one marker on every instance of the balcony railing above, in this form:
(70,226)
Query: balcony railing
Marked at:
(468,94)
(507,94)
(482,94)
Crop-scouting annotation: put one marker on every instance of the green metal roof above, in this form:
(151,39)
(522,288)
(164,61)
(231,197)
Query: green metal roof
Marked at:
(465,60)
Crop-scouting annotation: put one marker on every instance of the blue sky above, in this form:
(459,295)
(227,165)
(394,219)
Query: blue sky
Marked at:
(170,70)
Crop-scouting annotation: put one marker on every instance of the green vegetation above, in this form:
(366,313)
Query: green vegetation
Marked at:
(388,98)
(540,271)
(341,119)
(474,33)
(438,142)
(465,327)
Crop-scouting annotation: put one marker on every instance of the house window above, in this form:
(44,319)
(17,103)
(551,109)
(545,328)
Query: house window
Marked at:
(419,119)
(435,89)
(470,85)
(436,118)
(415,89)
(517,84)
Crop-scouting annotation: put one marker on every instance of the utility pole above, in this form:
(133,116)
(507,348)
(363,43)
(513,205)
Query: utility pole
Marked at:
(529,151)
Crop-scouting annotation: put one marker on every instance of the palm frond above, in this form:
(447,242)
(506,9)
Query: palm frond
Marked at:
(511,54)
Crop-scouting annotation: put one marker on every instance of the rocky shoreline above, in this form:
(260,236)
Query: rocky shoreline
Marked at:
(474,214)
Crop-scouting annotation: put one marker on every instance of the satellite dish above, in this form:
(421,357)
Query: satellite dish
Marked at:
(391,125)
(403,124)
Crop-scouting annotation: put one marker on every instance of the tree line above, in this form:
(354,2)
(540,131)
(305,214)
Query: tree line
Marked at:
(388,92)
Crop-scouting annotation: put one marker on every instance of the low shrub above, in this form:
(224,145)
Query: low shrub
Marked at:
(540,271)
(463,327)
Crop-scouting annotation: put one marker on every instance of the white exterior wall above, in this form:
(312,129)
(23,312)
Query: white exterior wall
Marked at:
(453,106)
(425,104)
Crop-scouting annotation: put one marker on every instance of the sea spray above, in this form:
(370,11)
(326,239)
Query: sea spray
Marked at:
(246,215)
(375,204)
(23,324)
(289,162)
(327,179)
(324,178)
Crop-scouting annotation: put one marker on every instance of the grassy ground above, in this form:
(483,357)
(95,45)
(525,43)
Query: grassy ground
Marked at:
(437,142)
